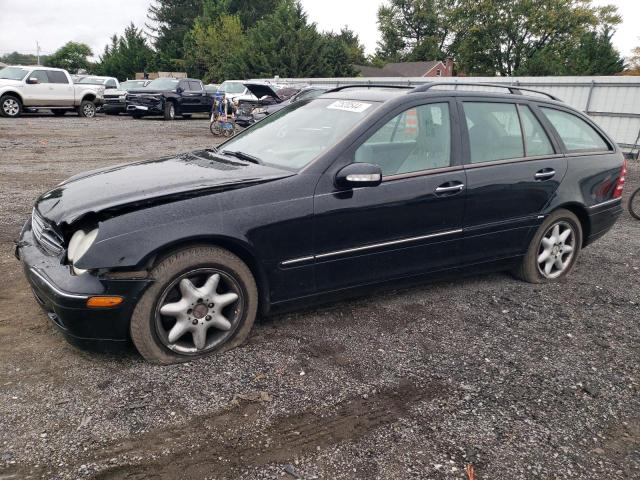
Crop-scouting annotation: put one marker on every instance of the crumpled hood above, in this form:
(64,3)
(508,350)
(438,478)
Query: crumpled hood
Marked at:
(149,182)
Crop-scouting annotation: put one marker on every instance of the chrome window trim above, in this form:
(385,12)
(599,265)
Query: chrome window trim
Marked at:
(55,289)
(368,247)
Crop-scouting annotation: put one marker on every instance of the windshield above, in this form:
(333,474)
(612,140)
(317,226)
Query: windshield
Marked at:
(294,136)
(131,84)
(232,87)
(163,84)
(13,73)
(92,80)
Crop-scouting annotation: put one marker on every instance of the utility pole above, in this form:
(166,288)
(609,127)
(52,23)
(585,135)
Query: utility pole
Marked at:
(38,51)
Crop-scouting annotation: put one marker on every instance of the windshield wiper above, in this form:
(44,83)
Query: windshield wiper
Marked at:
(243,156)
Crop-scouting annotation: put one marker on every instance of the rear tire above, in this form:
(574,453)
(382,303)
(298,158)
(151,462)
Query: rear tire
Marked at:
(151,330)
(634,204)
(552,253)
(169,111)
(87,109)
(10,106)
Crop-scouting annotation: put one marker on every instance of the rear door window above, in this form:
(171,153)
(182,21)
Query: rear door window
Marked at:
(57,77)
(494,131)
(576,134)
(536,141)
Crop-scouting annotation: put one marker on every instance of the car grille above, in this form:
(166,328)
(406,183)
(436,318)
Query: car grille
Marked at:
(144,99)
(44,234)
(113,99)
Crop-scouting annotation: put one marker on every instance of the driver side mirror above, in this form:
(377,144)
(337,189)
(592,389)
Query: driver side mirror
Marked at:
(179,90)
(32,81)
(357,175)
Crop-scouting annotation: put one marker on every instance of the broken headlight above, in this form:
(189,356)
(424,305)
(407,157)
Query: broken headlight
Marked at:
(79,245)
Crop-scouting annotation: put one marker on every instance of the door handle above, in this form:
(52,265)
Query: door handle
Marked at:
(545,174)
(450,187)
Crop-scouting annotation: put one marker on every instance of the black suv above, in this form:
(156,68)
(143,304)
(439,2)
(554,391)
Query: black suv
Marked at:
(330,196)
(169,97)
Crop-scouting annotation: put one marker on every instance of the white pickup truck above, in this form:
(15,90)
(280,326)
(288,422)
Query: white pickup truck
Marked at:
(44,88)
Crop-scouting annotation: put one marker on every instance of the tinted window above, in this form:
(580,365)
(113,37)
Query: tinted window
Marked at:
(417,139)
(494,131)
(111,83)
(13,73)
(163,84)
(57,77)
(195,86)
(232,87)
(536,140)
(575,133)
(41,75)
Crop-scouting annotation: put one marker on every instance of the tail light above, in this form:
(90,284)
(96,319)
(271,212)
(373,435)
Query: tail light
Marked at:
(617,192)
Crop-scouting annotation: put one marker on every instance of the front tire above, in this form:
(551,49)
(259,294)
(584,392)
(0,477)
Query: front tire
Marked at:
(203,300)
(554,249)
(634,204)
(10,106)
(169,111)
(87,109)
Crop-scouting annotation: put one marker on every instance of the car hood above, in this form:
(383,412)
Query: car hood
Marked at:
(128,187)
(262,89)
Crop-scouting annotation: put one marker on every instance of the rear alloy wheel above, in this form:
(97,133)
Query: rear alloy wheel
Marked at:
(169,111)
(87,109)
(10,106)
(204,300)
(554,249)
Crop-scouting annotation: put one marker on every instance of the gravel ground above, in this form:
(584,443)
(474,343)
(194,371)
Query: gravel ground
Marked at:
(518,381)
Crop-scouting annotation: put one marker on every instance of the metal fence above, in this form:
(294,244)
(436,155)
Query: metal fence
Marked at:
(612,102)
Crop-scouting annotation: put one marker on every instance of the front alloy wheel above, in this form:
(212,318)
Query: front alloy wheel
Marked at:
(195,319)
(10,106)
(203,300)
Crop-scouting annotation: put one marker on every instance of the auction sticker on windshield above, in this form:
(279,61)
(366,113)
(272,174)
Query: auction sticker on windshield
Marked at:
(349,106)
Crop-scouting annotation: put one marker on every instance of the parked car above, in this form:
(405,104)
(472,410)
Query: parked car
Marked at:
(331,196)
(236,90)
(260,112)
(109,83)
(264,95)
(212,88)
(169,97)
(115,101)
(45,88)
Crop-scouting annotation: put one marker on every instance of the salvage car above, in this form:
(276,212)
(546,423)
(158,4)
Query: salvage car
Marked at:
(169,97)
(115,101)
(44,88)
(260,112)
(265,95)
(359,187)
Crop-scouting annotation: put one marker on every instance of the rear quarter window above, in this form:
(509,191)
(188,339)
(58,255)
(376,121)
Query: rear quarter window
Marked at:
(576,134)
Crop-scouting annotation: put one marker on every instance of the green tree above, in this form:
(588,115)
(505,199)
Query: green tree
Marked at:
(595,55)
(72,57)
(284,43)
(414,30)
(248,11)
(210,54)
(634,62)
(126,55)
(15,58)
(169,22)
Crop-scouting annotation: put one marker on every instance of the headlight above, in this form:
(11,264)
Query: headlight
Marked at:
(79,245)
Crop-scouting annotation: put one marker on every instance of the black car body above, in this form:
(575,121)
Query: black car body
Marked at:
(266,96)
(169,97)
(332,226)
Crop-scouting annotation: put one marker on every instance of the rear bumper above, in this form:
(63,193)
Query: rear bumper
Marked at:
(63,296)
(602,218)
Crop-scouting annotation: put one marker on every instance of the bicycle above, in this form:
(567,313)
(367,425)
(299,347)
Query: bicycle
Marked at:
(223,120)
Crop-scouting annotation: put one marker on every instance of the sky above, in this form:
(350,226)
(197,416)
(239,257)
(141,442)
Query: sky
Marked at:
(52,23)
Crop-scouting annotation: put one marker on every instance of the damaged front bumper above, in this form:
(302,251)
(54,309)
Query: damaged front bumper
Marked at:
(63,296)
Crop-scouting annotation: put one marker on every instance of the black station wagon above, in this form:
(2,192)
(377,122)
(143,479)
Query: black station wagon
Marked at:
(329,196)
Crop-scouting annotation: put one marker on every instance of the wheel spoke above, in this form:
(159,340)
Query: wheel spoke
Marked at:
(544,255)
(558,263)
(225,299)
(199,337)
(188,290)
(547,242)
(175,309)
(567,249)
(565,235)
(548,265)
(220,322)
(178,330)
(556,233)
(210,288)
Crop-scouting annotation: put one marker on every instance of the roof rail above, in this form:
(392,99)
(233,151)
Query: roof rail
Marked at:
(368,85)
(513,89)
